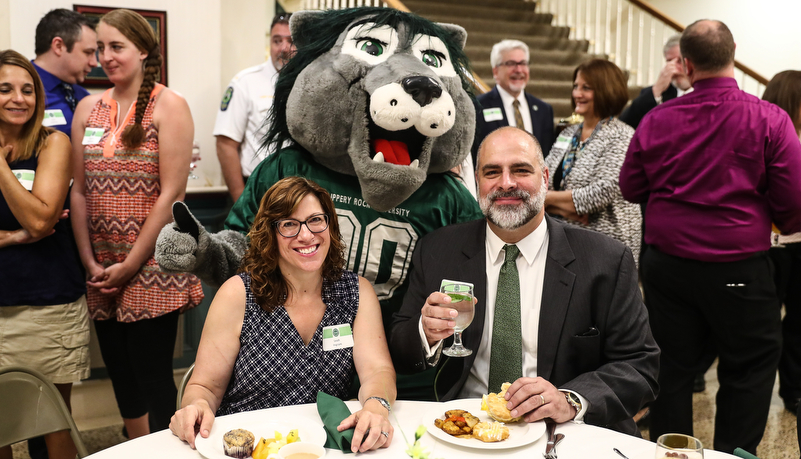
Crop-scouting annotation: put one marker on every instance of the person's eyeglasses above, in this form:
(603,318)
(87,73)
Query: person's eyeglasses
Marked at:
(289,227)
(513,64)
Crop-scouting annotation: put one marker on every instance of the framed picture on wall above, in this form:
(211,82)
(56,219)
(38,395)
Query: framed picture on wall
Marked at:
(157,20)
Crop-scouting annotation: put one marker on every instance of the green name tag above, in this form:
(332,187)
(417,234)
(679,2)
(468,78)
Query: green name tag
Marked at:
(493,114)
(92,136)
(337,337)
(54,118)
(25,177)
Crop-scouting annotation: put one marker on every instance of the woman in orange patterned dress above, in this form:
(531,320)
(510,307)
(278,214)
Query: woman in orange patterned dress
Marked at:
(132,147)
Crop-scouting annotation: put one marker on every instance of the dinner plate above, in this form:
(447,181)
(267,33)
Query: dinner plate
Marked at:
(520,433)
(310,430)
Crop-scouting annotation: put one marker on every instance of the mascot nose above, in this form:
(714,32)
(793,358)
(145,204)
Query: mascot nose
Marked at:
(423,89)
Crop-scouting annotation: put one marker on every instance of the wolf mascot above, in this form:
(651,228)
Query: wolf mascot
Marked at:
(375,109)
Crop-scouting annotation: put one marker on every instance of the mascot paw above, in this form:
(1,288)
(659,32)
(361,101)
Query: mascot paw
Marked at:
(177,243)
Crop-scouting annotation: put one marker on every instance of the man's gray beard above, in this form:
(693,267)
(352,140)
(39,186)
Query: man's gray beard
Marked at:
(511,217)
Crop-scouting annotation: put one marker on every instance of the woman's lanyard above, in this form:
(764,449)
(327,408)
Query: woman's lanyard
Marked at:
(576,147)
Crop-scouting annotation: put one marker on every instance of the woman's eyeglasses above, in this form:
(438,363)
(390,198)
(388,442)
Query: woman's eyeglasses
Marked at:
(289,227)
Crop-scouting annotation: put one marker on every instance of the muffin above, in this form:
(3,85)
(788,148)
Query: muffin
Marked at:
(238,443)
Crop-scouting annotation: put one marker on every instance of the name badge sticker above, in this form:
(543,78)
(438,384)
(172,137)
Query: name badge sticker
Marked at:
(92,136)
(562,142)
(54,118)
(337,337)
(492,114)
(25,177)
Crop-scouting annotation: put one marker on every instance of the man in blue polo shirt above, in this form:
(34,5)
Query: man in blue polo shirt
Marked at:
(66,44)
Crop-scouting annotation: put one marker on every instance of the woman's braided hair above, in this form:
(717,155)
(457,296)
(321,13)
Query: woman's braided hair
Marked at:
(135,28)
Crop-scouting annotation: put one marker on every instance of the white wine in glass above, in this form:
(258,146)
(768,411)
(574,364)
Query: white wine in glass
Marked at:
(679,446)
(461,294)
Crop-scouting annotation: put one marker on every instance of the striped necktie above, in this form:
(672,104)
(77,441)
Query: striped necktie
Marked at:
(518,116)
(506,351)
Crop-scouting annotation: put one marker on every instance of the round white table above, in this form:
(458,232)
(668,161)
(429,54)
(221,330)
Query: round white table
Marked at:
(581,441)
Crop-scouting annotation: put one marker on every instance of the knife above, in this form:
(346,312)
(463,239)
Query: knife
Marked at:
(551,430)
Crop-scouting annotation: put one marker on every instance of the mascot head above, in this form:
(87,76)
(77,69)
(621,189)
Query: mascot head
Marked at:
(376,93)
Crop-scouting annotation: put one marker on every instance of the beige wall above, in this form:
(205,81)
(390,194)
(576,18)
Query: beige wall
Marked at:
(766,32)
(208,41)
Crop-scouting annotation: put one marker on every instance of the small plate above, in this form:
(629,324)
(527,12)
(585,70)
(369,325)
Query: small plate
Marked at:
(310,430)
(520,433)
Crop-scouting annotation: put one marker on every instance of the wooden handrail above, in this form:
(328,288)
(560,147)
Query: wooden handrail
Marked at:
(398,5)
(648,8)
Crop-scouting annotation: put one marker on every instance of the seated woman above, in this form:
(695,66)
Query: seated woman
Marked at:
(262,344)
(585,161)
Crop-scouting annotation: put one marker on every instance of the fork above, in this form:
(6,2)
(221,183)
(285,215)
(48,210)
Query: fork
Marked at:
(551,451)
(551,428)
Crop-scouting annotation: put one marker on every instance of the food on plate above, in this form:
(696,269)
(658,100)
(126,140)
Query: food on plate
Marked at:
(489,432)
(238,443)
(458,423)
(495,405)
(268,446)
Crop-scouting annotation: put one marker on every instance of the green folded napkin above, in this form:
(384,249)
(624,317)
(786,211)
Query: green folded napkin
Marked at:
(332,411)
(739,452)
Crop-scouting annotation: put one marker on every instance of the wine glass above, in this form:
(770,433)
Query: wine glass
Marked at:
(461,294)
(680,446)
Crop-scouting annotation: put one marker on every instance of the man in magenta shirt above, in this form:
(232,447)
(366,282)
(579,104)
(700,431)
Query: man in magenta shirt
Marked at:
(716,168)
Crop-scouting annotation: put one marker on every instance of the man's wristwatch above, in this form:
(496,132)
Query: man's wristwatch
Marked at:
(383,402)
(573,401)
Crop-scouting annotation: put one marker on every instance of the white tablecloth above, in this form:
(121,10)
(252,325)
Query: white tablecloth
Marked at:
(581,441)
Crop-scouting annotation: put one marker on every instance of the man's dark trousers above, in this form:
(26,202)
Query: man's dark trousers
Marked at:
(735,304)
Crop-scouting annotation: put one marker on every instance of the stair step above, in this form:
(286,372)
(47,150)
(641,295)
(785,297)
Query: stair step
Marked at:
(432,8)
(478,54)
(499,4)
(509,27)
(539,72)
(562,108)
(533,42)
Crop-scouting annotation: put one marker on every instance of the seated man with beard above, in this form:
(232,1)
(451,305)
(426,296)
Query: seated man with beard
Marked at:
(558,311)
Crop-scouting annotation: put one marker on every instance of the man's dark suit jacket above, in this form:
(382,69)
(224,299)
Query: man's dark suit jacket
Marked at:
(594,337)
(541,120)
(644,103)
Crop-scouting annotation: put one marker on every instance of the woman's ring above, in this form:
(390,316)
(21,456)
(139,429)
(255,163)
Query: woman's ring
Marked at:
(542,399)
(386,434)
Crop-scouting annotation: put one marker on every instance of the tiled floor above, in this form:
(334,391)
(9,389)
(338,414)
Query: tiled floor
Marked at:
(780,440)
(102,429)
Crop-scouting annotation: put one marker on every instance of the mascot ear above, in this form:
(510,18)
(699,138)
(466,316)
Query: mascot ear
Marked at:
(301,26)
(457,33)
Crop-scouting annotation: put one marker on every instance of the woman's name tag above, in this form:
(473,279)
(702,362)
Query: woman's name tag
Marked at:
(337,337)
(25,177)
(562,142)
(54,117)
(92,136)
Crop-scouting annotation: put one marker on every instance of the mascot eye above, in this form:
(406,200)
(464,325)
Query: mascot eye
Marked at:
(372,47)
(432,59)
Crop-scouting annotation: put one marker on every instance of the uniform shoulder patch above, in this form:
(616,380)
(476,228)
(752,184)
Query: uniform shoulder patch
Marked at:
(229,93)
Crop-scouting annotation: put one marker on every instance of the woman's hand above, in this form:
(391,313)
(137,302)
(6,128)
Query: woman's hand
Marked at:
(109,281)
(371,428)
(192,420)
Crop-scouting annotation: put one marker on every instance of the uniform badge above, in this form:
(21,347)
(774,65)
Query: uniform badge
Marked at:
(226,98)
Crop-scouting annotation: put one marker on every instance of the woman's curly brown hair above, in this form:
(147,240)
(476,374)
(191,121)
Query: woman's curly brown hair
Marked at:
(261,260)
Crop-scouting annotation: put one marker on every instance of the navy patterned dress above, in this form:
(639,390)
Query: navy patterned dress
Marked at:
(275,368)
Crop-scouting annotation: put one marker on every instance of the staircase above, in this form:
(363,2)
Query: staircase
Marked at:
(553,56)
